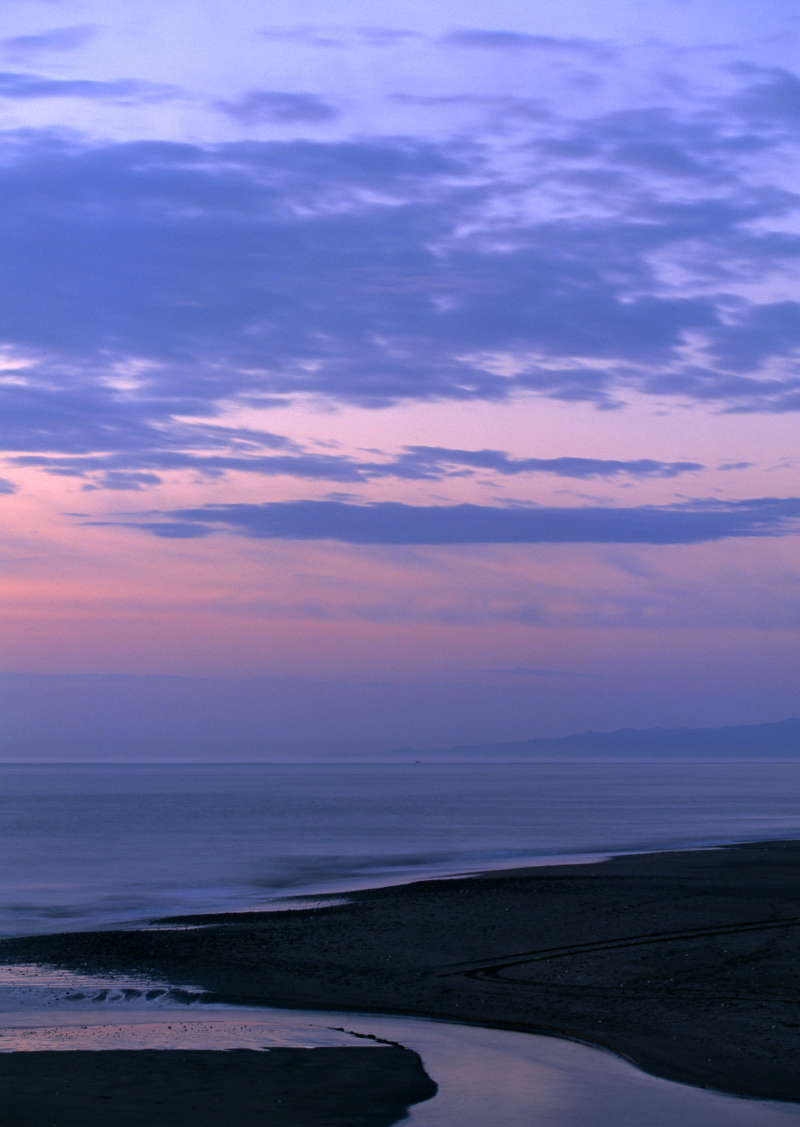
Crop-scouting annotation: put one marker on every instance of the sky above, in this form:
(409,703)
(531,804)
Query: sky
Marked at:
(375,374)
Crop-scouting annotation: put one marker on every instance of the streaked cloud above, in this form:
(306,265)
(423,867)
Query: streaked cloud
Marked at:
(437,458)
(25,86)
(279,108)
(770,97)
(54,39)
(132,468)
(340,35)
(387,522)
(374,271)
(487,39)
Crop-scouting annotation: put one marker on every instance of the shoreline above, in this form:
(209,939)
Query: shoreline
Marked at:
(683,962)
(319,896)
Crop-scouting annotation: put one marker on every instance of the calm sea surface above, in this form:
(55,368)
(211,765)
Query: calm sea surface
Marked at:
(86,846)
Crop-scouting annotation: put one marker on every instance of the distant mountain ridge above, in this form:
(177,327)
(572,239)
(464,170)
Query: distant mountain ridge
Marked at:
(781,738)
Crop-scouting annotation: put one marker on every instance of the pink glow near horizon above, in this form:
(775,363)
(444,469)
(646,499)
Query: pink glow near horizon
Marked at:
(393,274)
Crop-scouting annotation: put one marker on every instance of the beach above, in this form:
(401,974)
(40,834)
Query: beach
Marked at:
(683,962)
(298,1087)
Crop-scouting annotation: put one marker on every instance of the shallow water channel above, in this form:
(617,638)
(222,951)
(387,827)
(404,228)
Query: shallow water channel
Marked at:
(485,1076)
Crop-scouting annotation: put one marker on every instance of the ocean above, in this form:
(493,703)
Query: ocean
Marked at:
(88,846)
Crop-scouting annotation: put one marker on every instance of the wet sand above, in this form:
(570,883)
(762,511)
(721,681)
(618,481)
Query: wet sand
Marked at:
(686,963)
(351,1087)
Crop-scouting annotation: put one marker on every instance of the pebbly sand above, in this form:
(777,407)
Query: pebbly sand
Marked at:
(686,963)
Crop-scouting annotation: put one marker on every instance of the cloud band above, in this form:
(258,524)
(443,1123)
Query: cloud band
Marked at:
(390,522)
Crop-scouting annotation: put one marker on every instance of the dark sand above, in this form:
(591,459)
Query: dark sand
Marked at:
(340,1087)
(687,963)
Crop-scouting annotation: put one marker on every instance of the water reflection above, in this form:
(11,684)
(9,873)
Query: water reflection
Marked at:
(485,1076)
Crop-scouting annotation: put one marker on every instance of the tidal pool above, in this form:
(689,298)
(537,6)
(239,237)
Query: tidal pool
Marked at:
(485,1076)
